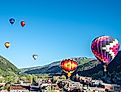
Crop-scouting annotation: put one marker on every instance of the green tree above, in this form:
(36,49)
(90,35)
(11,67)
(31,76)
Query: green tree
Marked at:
(7,86)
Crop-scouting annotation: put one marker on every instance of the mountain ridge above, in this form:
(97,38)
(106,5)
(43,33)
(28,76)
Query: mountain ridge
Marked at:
(56,64)
(89,67)
(7,68)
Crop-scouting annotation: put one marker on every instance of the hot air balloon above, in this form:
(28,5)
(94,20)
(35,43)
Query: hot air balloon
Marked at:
(68,66)
(7,44)
(35,56)
(105,48)
(12,20)
(22,23)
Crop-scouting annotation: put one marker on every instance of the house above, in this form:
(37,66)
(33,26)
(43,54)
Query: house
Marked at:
(19,88)
(35,89)
(3,91)
(75,85)
(25,82)
(2,84)
(112,87)
(24,88)
(85,78)
(55,87)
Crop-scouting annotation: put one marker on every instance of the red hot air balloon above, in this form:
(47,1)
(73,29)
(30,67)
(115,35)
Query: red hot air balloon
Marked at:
(69,66)
(22,23)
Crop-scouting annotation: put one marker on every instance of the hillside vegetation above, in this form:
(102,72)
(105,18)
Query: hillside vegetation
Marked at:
(7,68)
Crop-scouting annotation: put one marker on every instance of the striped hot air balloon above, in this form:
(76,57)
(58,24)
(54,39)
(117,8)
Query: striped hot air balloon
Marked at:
(69,66)
(105,48)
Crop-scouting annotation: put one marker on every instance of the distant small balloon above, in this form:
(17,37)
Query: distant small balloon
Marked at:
(12,20)
(23,23)
(7,44)
(35,56)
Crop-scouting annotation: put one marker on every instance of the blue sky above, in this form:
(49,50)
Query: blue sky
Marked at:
(55,29)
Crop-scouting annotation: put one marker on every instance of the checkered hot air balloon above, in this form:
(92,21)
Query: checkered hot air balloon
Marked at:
(69,66)
(105,48)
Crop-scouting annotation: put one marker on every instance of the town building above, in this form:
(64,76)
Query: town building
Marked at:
(19,88)
(24,88)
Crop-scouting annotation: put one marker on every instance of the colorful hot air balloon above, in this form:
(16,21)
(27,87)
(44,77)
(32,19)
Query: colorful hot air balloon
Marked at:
(22,23)
(69,66)
(35,56)
(105,48)
(7,44)
(12,20)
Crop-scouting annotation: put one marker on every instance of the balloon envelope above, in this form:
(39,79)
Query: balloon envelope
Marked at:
(35,56)
(7,44)
(69,66)
(105,48)
(22,23)
(12,20)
